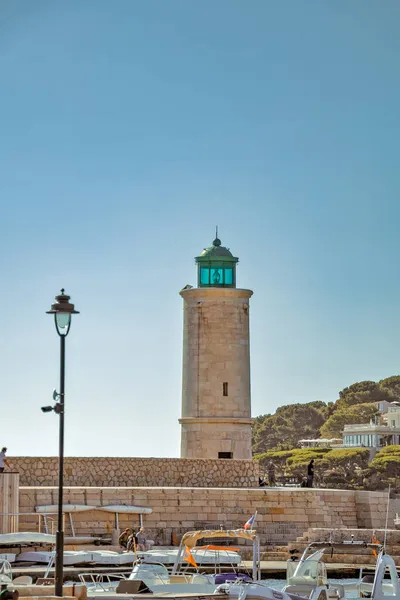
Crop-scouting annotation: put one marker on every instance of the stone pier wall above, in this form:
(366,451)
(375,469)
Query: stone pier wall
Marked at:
(121,472)
(282,514)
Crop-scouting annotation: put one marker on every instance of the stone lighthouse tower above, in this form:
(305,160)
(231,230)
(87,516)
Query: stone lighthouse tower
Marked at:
(216,410)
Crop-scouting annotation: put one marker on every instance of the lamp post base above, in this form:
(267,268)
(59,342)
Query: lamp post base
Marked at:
(59,574)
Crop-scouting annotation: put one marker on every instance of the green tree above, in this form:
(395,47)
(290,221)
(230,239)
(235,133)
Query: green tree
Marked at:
(278,457)
(387,461)
(297,463)
(286,427)
(362,393)
(360,413)
(391,385)
(346,461)
(265,434)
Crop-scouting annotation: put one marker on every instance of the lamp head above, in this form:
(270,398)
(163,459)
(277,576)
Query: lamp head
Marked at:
(62,310)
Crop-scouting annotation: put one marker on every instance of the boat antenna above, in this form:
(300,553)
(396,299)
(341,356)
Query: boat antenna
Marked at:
(387,518)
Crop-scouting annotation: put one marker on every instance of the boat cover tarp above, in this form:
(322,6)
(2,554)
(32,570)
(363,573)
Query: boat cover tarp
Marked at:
(114,508)
(28,537)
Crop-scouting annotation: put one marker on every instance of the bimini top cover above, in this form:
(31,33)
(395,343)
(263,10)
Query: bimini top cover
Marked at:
(122,508)
(190,537)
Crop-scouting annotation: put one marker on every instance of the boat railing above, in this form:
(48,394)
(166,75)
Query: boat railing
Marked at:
(102,580)
(43,521)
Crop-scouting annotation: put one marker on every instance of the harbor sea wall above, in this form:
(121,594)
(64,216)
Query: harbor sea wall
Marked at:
(283,514)
(122,472)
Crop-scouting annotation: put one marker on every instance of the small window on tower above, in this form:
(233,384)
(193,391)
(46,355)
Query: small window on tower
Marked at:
(225,388)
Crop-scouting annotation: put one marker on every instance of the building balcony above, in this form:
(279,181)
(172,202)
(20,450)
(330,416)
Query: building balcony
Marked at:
(364,428)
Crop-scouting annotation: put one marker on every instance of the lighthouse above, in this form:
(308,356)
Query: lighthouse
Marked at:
(216,407)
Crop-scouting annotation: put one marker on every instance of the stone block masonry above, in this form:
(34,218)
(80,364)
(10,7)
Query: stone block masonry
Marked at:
(216,411)
(282,514)
(121,472)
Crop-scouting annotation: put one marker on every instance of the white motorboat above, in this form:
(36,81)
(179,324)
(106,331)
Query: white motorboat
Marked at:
(70,558)
(108,557)
(97,557)
(307,578)
(158,580)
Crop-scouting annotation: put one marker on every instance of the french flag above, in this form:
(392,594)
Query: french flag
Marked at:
(250,522)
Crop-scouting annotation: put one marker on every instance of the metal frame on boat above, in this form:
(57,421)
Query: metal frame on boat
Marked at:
(190,539)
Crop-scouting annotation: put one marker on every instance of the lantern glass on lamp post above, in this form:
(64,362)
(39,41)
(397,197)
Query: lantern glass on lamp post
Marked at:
(62,310)
(63,322)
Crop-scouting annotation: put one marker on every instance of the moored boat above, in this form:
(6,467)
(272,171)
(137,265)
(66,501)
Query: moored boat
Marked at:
(70,558)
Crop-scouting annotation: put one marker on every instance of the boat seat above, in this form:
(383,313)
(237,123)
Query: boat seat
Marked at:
(336,592)
(131,586)
(23,580)
(45,581)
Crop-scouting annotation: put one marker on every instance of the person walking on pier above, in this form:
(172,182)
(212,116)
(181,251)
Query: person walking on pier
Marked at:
(310,473)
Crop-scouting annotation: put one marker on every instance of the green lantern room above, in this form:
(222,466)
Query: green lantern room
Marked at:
(216,266)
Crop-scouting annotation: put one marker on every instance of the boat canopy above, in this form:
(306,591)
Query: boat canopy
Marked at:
(190,537)
(51,509)
(114,508)
(123,508)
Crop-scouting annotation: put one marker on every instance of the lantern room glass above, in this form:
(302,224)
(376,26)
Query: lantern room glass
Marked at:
(216,276)
(205,276)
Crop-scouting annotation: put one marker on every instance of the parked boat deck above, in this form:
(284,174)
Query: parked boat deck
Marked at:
(268,568)
(114,596)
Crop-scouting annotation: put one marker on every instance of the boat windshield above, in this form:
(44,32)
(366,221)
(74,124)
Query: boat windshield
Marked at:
(150,573)
(310,571)
(5,572)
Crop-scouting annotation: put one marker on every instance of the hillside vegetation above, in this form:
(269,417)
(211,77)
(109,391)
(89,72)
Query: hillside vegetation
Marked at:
(276,438)
(293,422)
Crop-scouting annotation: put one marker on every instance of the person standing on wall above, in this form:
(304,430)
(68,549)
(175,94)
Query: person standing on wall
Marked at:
(271,473)
(310,473)
(3,460)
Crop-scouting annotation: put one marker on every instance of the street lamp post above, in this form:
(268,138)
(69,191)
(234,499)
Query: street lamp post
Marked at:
(62,310)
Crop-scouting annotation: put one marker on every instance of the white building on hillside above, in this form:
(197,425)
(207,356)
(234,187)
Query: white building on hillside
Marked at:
(383,430)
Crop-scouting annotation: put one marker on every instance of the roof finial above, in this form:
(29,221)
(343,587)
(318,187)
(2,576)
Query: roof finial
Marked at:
(216,242)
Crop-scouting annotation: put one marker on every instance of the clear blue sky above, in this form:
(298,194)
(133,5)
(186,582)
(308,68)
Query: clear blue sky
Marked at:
(128,130)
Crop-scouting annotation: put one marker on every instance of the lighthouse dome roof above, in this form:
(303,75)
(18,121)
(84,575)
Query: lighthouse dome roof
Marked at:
(216,252)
